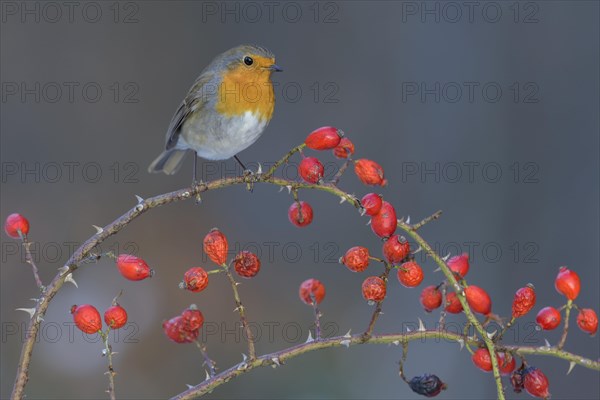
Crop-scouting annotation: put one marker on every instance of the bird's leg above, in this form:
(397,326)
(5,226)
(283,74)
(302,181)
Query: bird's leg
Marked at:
(246,170)
(247,174)
(194,178)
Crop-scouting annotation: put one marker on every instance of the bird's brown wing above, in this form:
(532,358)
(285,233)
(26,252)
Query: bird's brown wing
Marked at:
(197,98)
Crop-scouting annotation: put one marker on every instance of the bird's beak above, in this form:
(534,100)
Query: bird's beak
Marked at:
(276,68)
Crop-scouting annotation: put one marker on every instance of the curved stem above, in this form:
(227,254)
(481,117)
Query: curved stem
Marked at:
(72,264)
(424,221)
(279,358)
(120,223)
(555,352)
(84,253)
(411,231)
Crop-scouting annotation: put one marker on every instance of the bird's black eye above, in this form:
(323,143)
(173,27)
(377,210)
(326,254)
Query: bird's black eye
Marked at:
(248,60)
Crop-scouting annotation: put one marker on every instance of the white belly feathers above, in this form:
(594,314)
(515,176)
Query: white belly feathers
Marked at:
(208,140)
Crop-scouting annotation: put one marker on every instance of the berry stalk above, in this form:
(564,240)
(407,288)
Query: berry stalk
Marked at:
(111,372)
(207,360)
(29,259)
(563,337)
(315,305)
(284,159)
(343,168)
(241,310)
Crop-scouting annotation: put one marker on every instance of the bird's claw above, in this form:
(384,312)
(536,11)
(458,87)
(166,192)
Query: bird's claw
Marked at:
(195,185)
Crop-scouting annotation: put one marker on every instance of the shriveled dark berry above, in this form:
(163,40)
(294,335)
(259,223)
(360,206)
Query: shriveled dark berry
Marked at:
(427,385)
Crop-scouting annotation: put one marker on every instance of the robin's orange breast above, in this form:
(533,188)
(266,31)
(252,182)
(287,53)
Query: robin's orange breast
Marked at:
(245,90)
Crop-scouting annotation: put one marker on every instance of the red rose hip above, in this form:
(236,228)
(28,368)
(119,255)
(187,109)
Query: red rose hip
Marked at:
(369,172)
(374,289)
(453,305)
(300,214)
(431,298)
(506,363)
(410,274)
(215,246)
(396,249)
(536,383)
(478,299)
(345,149)
(133,268)
(567,283)
(246,264)
(523,301)
(87,318)
(482,360)
(384,223)
(371,203)
(356,258)
(192,319)
(311,169)
(324,138)
(314,287)
(587,320)
(115,317)
(548,318)
(16,223)
(459,264)
(176,330)
(195,280)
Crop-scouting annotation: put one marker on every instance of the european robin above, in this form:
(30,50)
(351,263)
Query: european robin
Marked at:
(225,111)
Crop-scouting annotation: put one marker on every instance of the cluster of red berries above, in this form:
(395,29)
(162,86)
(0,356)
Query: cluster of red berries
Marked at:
(531,379)
(396,251)
(246,264)
(311,170)
(88,319)
(477,298)
(184,328)
(383,215)
(568,284)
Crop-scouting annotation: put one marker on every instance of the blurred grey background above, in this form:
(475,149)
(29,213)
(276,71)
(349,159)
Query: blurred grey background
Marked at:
(488,111)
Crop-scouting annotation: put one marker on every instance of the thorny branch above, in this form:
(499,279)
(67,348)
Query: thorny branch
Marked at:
(84,253)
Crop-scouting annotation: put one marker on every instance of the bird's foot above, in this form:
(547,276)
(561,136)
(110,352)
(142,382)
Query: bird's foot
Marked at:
(196,185)
(250,177)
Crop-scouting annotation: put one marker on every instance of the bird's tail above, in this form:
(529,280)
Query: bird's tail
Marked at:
(168,162)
